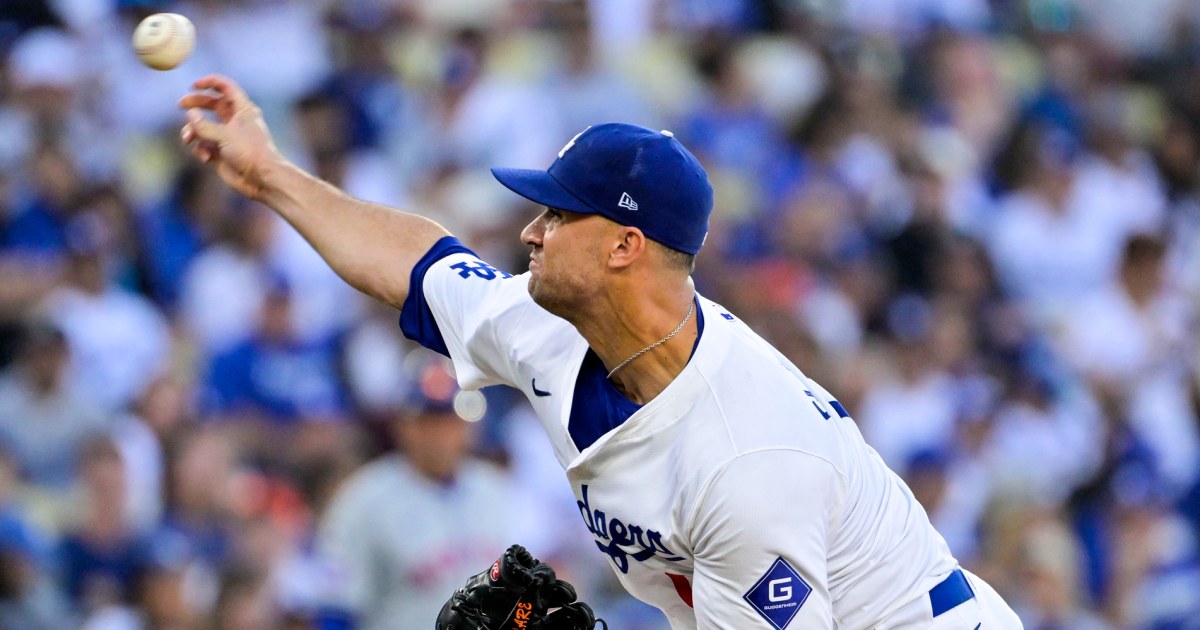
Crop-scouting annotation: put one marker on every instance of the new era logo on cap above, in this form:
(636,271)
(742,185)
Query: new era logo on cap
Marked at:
(627,202)
(779,594)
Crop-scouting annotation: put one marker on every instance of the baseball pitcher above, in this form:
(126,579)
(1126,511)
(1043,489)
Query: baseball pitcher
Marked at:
(723,486)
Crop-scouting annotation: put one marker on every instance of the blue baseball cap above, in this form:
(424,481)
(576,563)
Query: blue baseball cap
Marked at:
(629,174)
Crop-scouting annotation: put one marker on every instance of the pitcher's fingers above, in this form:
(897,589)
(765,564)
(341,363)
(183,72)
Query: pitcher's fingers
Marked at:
(187,135)
(223,85)
(201,128)
(204,151)
(197,100)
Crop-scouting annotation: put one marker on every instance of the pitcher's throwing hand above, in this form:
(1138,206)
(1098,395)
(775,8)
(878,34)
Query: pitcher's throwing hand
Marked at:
(234,137)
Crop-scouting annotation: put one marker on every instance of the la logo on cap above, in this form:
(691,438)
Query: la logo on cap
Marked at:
(571,143)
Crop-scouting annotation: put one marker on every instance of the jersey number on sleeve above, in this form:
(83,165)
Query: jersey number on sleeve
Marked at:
(479,269)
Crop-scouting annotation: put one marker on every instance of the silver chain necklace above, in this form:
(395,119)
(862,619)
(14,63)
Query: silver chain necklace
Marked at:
(691,309)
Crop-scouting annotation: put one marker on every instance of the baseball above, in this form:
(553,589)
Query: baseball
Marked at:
(164,40)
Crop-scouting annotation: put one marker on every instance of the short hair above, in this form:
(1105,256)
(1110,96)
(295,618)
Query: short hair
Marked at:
(678,259)
(41,334)
(1143,248)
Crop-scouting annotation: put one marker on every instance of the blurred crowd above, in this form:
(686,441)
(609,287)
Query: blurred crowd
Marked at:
(977,222)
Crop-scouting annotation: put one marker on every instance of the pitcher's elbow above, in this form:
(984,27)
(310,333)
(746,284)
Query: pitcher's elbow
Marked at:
(375,286)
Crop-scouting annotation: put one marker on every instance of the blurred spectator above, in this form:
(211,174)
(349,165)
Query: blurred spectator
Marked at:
(405,530)
(326,133)
(142,453)
(28,598)
(167,408)
(222,291)
(385,117)
(364,83)
(968,99)
(963,488)
(1051,582)
(452,14)
(21,15)
(51,73)
(279,68)
(173,232)
(200,516)
(1131,339)
(720,15)
(903,17)
(375,351)
(1047,249)
(729,130)
(102,557)
(244,602)
(1118,181)
(44,71)
(1059,235)
(274,376)
(1044,443)
(38,228)
(914,409)
(926,472)
(1136,33)
(919,248)
(586,90)
(160,595)
(119,341)
(487,117)
(1161,570)
(323,305)
(43,418)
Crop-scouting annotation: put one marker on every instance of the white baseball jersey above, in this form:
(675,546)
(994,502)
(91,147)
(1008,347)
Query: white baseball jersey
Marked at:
(742,496)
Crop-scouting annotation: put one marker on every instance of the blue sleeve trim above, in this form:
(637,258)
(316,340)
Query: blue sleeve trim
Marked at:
(416,319)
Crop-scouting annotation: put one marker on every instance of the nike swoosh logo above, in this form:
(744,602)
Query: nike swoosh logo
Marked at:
(538,392)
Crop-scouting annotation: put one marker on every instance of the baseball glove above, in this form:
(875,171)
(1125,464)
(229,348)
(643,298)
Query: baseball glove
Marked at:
(516,593)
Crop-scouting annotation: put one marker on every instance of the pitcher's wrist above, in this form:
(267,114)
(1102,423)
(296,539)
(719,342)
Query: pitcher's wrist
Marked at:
(272,180)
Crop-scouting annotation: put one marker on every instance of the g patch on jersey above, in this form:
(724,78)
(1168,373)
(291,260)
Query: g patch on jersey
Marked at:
(779,594)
